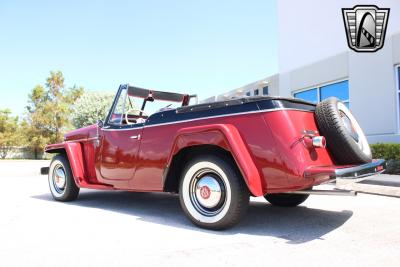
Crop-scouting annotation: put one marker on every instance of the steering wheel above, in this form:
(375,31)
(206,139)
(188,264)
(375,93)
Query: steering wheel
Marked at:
(132,110)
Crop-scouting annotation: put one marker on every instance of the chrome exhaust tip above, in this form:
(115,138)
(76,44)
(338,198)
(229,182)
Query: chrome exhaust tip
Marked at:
(336,192)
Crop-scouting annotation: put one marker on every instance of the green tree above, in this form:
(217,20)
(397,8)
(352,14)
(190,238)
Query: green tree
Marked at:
(49,108)
(91,107)
(9,137)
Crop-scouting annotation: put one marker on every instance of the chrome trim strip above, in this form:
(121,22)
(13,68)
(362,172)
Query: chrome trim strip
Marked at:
(122,129)
(82,140)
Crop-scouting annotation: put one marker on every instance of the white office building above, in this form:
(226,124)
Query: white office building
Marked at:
(315,62)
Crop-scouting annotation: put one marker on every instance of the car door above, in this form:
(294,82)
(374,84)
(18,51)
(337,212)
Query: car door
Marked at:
(119,143)
(119,149)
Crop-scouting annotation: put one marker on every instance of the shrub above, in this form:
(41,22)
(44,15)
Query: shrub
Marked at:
(90,107)
(391,153)
(9,132)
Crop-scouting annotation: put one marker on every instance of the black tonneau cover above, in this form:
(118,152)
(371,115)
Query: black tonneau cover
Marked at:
(244,100)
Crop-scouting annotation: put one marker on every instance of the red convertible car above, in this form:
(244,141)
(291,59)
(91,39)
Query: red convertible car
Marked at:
(214,155)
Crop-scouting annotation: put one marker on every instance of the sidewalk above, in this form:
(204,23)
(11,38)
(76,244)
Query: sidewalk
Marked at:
(383,184)
(21,167)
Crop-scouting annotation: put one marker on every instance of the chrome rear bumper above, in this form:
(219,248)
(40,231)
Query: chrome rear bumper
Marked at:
(351,174)
(375,167)
(328,173)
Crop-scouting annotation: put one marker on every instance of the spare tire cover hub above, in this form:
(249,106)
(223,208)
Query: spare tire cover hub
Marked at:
(353,128)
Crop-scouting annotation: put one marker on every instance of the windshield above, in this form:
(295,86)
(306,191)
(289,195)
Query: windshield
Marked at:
(152,107)
(134,105)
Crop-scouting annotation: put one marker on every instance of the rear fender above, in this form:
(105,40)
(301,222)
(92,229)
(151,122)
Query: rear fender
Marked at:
(74,153)
(227,137)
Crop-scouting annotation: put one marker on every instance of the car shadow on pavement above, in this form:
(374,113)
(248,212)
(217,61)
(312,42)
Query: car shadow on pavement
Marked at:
(296,225)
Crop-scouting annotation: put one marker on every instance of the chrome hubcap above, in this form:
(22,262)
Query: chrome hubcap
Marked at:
(59,179)
(353,129)
(207,192)
(349,126)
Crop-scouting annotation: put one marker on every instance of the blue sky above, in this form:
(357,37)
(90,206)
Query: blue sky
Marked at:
(204,47)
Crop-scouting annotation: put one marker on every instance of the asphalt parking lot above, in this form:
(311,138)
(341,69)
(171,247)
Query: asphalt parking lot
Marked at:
(146,229)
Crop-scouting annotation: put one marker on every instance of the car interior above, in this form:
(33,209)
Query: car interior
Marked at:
(127,112)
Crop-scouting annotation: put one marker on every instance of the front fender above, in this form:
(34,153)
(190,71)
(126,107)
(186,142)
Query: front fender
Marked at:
(227,137)
(74,153)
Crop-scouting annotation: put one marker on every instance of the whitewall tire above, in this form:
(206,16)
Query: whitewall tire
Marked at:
(61,181)
(212,192)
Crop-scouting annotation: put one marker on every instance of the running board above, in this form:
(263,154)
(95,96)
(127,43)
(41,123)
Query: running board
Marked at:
(349,193)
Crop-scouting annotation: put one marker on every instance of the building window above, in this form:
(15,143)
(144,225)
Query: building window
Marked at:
(340,90)
(315,95)
(310,95)
(256,92)
(265,90)
(398,94)
(248,94)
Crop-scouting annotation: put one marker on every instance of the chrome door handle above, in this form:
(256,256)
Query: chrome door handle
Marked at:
(135,137)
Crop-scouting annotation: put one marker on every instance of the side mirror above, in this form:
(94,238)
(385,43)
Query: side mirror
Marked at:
(100,123)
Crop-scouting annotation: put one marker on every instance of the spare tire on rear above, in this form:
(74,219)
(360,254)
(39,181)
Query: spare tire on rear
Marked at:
(344,137)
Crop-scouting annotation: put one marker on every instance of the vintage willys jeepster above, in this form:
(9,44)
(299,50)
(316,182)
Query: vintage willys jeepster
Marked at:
(214,155)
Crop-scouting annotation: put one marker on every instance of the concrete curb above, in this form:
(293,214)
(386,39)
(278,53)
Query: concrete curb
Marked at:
(369,185)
